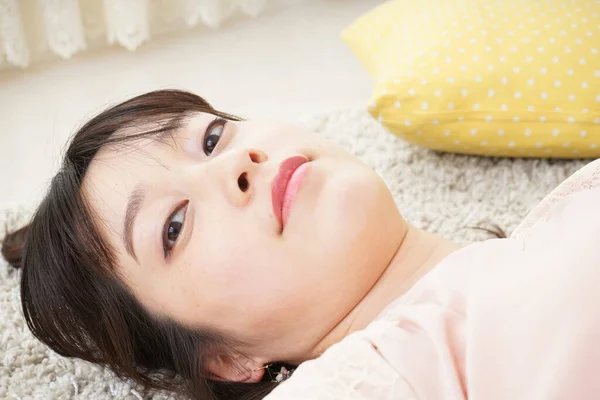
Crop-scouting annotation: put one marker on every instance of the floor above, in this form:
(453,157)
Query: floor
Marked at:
(287,64)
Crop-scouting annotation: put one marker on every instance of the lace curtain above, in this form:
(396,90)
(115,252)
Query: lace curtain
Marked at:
(32,30)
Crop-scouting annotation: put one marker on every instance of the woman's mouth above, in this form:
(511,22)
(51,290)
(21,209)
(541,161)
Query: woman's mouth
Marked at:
(286,185)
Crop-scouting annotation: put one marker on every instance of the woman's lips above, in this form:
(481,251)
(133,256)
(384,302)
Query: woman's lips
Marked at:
(286,185)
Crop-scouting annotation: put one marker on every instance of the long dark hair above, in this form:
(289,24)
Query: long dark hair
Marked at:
(72,297)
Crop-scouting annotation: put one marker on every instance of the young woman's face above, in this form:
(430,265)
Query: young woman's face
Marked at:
(200,236)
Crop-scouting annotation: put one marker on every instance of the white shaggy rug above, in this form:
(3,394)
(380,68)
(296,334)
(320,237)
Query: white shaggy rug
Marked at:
(443,193)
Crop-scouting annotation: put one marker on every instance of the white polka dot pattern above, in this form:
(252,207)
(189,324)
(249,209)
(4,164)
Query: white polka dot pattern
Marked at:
(508,78)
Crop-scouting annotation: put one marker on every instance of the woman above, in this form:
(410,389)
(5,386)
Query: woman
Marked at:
(194,252)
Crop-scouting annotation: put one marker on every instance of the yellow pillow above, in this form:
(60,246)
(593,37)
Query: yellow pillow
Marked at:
(510,78)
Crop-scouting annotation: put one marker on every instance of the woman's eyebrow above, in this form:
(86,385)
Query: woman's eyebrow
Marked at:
(134,205)
(165,133)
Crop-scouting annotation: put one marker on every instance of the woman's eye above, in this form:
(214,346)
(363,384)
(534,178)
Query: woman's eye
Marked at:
(213,135)
(173,229)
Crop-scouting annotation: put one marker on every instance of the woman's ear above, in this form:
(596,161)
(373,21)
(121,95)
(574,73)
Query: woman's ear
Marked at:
(235,368)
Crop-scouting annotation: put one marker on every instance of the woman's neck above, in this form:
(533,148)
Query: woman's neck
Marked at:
(417,254)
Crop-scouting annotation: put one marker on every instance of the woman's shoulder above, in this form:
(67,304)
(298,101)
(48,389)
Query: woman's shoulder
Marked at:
(354,368)
(586,178)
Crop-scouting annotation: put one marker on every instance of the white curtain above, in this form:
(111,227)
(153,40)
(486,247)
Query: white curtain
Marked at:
(32,30)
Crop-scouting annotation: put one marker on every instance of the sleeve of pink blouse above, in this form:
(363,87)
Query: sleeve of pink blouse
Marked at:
(586,178)
(532,315)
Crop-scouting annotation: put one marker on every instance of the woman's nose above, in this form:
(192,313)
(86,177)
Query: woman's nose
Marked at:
(240,180)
